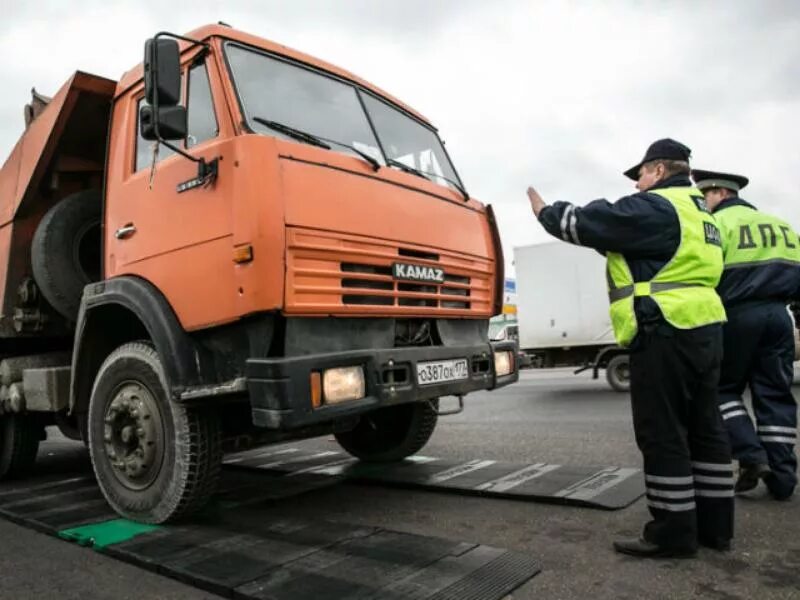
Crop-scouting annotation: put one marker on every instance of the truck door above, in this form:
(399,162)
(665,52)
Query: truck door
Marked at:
(179,241)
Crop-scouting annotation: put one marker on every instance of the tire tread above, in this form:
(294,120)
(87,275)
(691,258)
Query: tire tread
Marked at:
(198,450)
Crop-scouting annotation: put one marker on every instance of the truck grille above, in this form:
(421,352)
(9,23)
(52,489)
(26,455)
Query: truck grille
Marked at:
(402,293)
(349,275)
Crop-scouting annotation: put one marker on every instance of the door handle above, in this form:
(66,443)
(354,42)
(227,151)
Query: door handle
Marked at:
(125,231)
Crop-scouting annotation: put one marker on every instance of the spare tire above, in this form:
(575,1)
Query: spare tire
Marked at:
(65,253)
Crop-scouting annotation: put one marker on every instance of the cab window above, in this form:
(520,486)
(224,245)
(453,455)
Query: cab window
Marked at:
(201,119)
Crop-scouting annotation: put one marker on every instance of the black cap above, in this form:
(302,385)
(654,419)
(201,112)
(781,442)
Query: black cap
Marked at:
(668,149)
(713,179)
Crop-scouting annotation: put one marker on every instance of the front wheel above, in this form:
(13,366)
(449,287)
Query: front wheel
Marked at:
(391,433)
(618,373)
(155,460)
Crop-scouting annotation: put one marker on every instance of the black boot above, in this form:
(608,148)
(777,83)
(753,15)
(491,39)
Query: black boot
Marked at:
(641,548)
(714,544)
(749,475)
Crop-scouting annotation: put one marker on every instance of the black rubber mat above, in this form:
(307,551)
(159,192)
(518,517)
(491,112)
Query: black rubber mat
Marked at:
(608,488)
(237,550)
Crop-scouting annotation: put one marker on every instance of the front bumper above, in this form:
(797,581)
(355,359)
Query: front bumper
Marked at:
(280,389)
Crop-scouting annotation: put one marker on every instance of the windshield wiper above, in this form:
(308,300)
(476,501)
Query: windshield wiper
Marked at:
(315,140)
(292,132)
(424,174)
(407,168)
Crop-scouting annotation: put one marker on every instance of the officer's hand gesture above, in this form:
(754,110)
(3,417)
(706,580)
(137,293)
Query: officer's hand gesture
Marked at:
(537,204)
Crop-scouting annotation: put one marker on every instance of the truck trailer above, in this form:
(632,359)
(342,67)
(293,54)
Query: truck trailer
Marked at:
(236,244)
(562,311)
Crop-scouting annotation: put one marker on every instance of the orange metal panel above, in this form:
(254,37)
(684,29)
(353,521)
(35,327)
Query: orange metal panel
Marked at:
(324,196)
(184,243)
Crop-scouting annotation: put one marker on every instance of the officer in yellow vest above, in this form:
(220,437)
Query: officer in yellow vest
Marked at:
(762,274)
(664,262)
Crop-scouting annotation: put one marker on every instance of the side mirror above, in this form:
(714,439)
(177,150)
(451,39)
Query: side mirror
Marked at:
(162,72)
(171,122)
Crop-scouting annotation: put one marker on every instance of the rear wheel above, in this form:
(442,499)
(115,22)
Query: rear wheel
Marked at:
(155,460)
(618,373)
(19,444)
(391,433)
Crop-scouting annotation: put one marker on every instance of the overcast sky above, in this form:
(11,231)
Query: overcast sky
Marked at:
(562,95)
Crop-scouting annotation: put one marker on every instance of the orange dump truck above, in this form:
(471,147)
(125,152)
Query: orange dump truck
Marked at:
(234,245)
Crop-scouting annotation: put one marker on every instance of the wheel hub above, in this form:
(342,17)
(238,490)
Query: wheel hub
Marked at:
(132,436)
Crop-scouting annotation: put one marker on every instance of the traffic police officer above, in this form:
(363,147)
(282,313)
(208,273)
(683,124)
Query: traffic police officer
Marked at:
(664,261)
(762,274)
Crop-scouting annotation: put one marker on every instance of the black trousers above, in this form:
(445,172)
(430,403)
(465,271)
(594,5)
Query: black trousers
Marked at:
(679,430)
(759,353)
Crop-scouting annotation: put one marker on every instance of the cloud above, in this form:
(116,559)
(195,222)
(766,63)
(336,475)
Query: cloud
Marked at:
(563,95)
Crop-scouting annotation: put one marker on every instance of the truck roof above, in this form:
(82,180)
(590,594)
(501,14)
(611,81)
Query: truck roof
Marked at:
(135,75)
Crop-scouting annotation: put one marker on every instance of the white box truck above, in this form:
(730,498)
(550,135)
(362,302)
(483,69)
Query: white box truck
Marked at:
(562,311)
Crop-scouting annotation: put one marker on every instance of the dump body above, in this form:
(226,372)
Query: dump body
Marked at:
(61,151)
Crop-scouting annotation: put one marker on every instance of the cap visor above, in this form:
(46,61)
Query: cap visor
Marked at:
(633,172)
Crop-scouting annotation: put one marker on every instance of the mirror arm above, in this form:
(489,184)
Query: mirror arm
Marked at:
(192,44)
(205,169)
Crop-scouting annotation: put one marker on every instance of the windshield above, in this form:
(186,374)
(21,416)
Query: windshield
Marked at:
(274,90)
(409,142)
(279,91)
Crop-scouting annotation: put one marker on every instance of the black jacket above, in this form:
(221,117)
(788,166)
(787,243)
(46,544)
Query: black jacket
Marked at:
(643,227)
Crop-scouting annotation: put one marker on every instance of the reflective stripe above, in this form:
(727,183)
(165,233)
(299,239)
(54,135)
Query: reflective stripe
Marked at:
(620,293)
(759,263)
(716,493)
(564,221)
(735,413)
(670,494)
(725,467)
(777,439)
(776,429)
(647,288)
(714,480)
(729,405)
(609,279)
(573,227)
(671,507)
(669,480)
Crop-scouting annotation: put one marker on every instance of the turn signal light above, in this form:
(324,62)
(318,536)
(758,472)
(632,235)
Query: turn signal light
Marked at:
(343,384)
(316,389)
(503,363)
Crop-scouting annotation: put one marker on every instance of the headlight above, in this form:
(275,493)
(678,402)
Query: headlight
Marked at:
(503,363)
(343,384)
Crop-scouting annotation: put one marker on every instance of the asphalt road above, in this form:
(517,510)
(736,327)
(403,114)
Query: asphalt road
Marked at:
(549,416)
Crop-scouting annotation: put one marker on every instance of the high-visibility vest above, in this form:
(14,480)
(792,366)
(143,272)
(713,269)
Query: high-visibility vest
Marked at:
(684,287)
(761,253)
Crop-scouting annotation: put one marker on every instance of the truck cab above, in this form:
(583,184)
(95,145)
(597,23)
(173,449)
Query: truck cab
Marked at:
(252,245)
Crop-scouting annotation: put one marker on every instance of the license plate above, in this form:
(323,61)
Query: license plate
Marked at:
(440,371)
